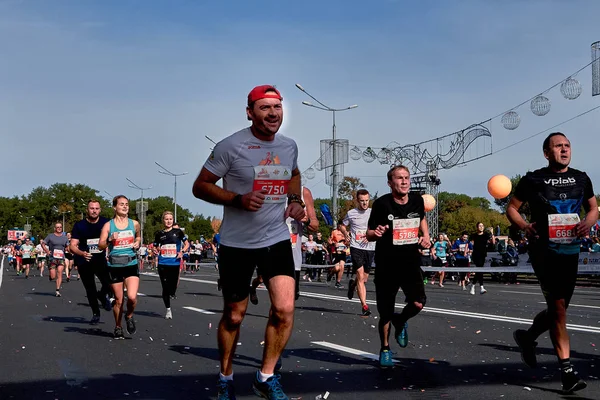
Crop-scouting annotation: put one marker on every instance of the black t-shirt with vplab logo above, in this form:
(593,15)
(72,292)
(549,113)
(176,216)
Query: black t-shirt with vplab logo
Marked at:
(551,194)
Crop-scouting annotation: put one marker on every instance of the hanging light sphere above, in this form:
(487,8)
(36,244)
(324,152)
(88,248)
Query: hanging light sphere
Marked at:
(571,88)
(540,105)
(511,120)
(309,173)
(369,155)
(356,153)
(384,156)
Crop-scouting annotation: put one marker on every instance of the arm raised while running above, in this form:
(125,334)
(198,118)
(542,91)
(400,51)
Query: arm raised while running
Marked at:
(205,188)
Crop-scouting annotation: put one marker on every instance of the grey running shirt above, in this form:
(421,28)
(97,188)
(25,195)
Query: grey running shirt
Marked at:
(246,163)
(358,221)
(56,245)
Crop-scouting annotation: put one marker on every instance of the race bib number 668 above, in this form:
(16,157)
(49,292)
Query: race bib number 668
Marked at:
(561,228)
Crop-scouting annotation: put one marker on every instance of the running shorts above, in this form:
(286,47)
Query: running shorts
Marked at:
(362,258)
(119,274)
(557,273)
(55,262)
(237,265)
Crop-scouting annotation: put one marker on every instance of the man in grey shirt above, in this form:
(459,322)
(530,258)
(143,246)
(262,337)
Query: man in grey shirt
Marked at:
(54,245)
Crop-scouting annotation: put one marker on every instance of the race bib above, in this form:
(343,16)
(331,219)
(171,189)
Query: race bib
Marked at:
(274,180)
(561,228)
(124,240)
(340,247)
(405,231)
(168,251)
(93,246)
(360,235)
(58,254)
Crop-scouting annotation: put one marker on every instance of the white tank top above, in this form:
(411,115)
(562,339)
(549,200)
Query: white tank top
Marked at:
(296,232)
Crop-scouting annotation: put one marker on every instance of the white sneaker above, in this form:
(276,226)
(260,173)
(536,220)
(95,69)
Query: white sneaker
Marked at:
(482,291)
(472,291)
(464,288)
(169,314)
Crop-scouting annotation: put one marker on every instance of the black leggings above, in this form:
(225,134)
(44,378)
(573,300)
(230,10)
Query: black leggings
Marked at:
(169,276)
(87,272)
(478,275)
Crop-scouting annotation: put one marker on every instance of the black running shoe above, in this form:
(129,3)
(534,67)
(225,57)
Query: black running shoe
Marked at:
(526,346)
(338,285)
(366,311)
(131,329)
(253,296)
(351,289)
(118,333)
(571,382)
(225,390)
(95,319)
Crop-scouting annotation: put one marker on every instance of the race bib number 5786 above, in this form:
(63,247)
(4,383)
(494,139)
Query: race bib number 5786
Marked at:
(405,231)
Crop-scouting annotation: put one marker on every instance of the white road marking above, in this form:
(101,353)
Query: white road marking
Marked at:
(349,350)
(443,311)
(2,270)
(576,305)
(514,291)
(199,310)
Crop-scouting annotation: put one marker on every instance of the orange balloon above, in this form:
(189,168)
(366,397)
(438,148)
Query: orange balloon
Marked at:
(429,201)
(499,186)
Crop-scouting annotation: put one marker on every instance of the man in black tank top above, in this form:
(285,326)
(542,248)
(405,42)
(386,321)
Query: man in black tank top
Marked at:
(555,195)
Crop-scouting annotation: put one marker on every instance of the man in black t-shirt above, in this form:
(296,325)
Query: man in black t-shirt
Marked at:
(395,222)
(555,195)
(90,260)
(480,239)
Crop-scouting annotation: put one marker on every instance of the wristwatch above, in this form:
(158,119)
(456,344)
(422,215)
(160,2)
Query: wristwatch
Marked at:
(294,198)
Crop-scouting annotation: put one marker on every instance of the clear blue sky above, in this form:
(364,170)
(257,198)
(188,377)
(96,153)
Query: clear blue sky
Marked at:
(96,91)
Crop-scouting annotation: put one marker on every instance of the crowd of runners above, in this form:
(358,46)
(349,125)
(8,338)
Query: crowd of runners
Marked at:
(262,192)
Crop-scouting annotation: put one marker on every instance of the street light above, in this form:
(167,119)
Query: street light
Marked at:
(334,186)
(167,172)
(143,215)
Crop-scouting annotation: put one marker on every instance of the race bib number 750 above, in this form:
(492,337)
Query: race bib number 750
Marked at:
(274,180)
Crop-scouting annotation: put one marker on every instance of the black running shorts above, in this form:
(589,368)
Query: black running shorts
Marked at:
(389,278)
(237,265)
(119,274)
(362,258)
(557,273)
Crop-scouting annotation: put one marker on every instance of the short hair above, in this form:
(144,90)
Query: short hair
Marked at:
(116,199)
(464,233)
(546,144)
(93,201)
(394,168)
(361,192)
(165,214)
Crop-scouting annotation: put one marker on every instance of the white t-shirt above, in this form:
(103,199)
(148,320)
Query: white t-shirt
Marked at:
(246,164)
(358,221)
(40,251)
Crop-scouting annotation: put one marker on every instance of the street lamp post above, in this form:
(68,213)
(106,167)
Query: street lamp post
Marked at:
(334,185)
(143,214)
(174,175)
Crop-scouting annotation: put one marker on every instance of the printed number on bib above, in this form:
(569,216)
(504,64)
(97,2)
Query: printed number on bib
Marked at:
(168,250)
(93,246)
(274,180)
(59,254)
(124,240)
(360,235)
(405,231)
(561,228)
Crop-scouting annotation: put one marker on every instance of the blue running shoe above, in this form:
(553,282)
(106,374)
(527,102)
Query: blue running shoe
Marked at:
(385,359)
(225,390)
(271,389)
(402,336)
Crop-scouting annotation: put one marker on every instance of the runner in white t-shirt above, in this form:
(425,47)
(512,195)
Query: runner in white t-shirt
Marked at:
(361,250)
(261,188)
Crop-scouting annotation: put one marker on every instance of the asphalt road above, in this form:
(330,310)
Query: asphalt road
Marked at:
(460,346)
